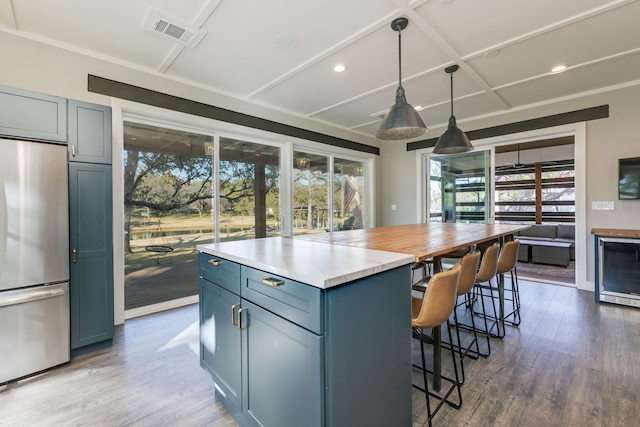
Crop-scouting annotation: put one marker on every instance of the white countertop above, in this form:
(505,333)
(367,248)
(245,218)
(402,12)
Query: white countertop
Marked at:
(318,264)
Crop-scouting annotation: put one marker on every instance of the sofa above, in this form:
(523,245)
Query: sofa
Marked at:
(534,246)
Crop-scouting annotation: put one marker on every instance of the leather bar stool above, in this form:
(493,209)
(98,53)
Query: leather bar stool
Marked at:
(434,265)
(507,263)
(422,265)
(486,273)
(468,271)
(429,312)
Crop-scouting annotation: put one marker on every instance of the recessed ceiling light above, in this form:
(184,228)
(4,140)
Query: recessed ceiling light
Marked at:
(558,68)
(287,41)
(339,68)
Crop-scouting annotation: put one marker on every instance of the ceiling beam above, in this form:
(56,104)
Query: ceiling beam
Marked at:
(576,116)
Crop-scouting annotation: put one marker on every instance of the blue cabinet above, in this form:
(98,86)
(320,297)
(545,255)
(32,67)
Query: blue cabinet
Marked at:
(283,353)
(258,360)
(89,133)
(31,115)
(281,368)
(91,272)
(91,227)
(220,338)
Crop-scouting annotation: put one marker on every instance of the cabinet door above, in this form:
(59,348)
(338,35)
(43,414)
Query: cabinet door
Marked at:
(89,133)
(282,371)
(220,339)
(91,273)
(32,115)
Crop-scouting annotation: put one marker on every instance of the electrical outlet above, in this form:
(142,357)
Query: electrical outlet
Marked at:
(394,207)
(602,206)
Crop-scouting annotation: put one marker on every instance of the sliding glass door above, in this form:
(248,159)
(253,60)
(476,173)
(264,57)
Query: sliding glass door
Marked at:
(459,187)
(167,211)
(248,190)
(328,193)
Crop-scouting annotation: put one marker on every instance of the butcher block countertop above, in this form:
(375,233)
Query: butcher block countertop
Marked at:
(612,232)
(423,241)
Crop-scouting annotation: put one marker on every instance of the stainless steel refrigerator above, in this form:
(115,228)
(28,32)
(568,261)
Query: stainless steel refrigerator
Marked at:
(34,258)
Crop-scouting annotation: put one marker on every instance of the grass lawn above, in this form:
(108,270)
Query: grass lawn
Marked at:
(183,233)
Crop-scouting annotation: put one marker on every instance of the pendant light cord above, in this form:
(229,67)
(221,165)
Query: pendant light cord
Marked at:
(451,93)
(399,57)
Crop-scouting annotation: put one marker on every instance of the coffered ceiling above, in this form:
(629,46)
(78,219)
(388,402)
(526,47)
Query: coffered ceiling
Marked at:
(280,54)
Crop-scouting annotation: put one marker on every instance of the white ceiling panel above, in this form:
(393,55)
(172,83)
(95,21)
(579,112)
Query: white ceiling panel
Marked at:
(580,80)
(251,43)
(112,28)
(605,35)
(471,26)
(370,62)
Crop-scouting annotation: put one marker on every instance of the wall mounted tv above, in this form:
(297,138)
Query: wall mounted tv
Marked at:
(629,178)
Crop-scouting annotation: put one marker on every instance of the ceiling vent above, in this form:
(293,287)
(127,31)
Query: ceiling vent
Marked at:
(171,27)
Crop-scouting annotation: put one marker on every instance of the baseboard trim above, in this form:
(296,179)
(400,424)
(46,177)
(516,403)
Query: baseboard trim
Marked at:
(154,308)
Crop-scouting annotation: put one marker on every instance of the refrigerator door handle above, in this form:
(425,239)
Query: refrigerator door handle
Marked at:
(25,296)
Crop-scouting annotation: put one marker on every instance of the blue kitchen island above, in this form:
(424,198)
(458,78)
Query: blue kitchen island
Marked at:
(303,333)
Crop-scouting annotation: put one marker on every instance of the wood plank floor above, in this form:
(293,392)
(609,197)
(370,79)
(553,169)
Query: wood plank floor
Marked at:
(571,362)
(150,377)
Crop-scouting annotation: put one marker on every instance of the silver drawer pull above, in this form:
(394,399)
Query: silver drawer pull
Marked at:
(215,262)
(272,282)
(233,314)
(242,328)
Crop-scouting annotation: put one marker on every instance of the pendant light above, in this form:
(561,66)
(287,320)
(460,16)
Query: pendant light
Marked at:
(402,121)
(453,140)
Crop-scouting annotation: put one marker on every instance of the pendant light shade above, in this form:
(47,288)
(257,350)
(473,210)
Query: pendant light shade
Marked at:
(453,140)
(402,121)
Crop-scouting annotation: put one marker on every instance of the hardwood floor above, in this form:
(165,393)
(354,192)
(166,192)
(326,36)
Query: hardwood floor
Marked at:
(571,362)
(150,377)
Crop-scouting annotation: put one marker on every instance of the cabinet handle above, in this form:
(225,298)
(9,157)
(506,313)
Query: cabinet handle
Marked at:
(240,318)
(272,282)
(233,314)
(74,255)
(73,150)
(215,262)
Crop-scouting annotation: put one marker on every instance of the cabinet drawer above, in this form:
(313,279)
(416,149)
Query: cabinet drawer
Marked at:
(294,301)
(220,271)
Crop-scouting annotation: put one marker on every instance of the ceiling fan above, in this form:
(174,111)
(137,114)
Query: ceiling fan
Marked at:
(516,165)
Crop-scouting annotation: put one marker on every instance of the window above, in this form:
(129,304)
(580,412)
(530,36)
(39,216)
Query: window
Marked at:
(324,201)
(167,210)
(349,195)
(458,187)
(184,185)
(249,190)
(539,193)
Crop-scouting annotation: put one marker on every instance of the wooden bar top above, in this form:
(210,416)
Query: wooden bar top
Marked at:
(423,241)
(612,232)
